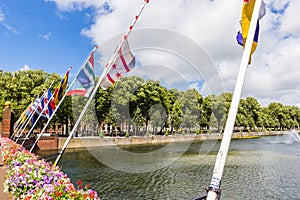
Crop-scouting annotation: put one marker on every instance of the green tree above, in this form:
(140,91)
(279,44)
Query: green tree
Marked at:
(191,102)
(149,94)
(248,113)
(22,87)
(220,108)
(206,113)
(121,96)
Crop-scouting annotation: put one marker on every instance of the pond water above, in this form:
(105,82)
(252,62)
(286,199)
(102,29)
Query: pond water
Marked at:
(257,168)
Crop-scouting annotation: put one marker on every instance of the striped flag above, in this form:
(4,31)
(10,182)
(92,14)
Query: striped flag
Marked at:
(124,63)
(33,109)
(60,90)
(247,11)
(85,78)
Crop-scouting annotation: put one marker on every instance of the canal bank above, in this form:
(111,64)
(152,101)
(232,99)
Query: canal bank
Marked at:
(81,142)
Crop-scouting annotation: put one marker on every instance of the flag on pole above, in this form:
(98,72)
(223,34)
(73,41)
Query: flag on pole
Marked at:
(50,107)
(60,90)
(39,108)
(247,11)
(86,78)
(34,108)
(24,114)
(30,114)
(124,63)
(46,110)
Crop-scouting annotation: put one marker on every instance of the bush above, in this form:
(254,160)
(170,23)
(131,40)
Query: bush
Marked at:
(30,178)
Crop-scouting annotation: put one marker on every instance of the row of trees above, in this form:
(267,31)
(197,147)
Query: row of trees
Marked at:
(141,103)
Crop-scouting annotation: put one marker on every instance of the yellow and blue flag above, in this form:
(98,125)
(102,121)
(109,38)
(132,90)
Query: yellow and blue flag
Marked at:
(247,11)
(60,90)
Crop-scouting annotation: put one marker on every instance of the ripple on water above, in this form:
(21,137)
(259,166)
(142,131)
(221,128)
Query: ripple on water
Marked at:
(255,169)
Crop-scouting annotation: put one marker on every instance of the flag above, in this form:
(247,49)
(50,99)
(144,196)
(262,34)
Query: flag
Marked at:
(34,108)
(60,90)
(37,106)
(51,106)
(30,112)
(86,79)
(46,110)
(247,11)
(124,63)
(24,114)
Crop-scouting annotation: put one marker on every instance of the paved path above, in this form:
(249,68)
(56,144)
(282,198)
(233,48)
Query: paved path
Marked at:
(3,195)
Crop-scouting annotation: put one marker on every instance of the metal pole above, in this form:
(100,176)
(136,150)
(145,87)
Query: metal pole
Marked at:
(39,115)
(223,151)
(27,122)
(17,123)
(106,70)
(27,118)
(40,135)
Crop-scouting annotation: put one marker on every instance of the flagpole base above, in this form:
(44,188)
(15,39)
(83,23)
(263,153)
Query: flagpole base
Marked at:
(213,194)
(210,194)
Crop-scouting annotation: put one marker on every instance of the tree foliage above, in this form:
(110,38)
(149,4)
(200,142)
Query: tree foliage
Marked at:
(144,104)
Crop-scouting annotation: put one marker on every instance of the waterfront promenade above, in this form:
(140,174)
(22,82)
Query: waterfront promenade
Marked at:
(3,195)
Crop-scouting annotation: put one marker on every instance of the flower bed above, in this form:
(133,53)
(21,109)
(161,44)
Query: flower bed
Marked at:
(31,178)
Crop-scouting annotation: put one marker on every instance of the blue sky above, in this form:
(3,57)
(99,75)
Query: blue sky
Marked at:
(55,34)
(35,34)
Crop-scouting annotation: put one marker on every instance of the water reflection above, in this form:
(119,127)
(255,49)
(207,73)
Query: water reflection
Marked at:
(260,168)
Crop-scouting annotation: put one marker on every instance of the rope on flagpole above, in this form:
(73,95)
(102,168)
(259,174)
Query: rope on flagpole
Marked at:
(106,70)
(214,187)
(56,108)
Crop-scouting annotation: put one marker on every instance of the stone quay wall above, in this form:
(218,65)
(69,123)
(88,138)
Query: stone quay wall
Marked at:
(82,142)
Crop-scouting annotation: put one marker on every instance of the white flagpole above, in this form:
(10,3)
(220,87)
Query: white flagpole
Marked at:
(223,151)
(45,93)
(106,70)
(18,122)
(23,127)
(26,122)
(36,121)
(43,130)
(20,125)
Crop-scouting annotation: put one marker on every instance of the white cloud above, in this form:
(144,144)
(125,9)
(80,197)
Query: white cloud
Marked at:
(25,67)
(289,24)
(273,75)
(7,26)
(1,15)
(45,36)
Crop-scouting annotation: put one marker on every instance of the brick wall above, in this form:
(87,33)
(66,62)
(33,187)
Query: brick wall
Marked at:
(7,123)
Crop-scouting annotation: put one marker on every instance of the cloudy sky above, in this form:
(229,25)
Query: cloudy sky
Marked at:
(181,43)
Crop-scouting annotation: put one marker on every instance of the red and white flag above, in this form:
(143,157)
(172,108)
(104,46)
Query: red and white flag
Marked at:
(124,63)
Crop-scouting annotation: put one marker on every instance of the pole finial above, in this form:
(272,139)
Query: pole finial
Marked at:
(7,104)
